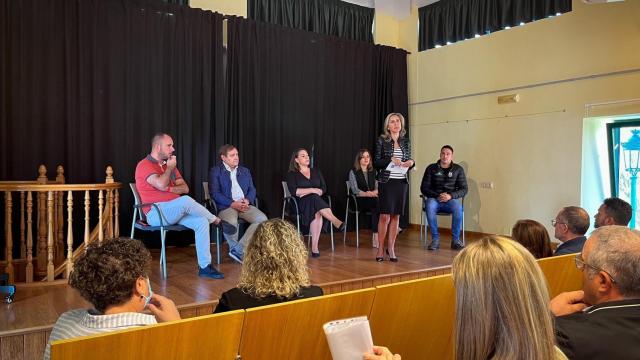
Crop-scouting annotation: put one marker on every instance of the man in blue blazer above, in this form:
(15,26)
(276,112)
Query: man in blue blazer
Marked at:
(232,189)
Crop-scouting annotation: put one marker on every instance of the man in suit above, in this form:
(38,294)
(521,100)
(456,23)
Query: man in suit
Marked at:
(570,225)
(232,189)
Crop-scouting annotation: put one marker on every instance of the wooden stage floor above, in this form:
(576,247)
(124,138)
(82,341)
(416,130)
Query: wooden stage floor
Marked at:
(39,304)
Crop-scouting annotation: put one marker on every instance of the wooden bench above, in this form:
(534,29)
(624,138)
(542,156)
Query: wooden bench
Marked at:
(294,330)
(561,273)
(211,337)
(413,318)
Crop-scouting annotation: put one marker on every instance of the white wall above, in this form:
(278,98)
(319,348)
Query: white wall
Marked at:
(531,150)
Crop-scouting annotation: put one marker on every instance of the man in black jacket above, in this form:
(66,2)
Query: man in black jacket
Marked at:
(443,186)
(602,321)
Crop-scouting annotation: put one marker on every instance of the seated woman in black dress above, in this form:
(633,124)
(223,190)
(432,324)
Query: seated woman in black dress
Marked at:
(274,269)
(362,183)
(308,185)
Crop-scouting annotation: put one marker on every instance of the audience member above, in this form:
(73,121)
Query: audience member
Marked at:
(443,185)
(393,161)
(308,186)
(613,211)
(114,278)
(602,320)
(533,236)
(501,303)
(159,181)
(274,269)
(363,184)
(232,190)
(569,226)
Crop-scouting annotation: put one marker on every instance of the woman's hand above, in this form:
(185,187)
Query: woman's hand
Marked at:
(409,163)
(396,161)
(381,353)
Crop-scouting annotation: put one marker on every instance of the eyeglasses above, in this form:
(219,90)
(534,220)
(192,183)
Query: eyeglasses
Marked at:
(580,264)
(554,222)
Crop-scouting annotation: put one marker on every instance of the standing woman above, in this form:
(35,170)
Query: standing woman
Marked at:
(308,185)
(392,147)
(362,184)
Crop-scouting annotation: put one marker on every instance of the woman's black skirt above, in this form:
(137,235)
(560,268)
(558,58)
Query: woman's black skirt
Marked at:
(392,195)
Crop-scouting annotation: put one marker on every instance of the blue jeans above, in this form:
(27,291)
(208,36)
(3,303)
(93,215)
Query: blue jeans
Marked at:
(453,207)
(187,212)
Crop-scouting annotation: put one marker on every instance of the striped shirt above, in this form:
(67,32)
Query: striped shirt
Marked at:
(395,174)
(82,322)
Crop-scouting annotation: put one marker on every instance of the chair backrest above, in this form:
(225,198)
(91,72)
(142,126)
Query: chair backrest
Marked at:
(293,330)
(415,318)
(211,337)
(205,188)
(285,189)
(137,201)
(348,188)
(136,195)
(561,273)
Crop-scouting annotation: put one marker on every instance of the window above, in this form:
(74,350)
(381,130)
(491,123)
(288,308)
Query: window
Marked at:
(624,162)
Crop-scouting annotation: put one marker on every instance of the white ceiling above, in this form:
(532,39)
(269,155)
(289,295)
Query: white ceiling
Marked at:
(400,9)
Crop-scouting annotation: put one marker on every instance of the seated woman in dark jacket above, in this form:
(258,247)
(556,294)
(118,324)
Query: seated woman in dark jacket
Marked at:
(308,186)
(274,269)
(363,184)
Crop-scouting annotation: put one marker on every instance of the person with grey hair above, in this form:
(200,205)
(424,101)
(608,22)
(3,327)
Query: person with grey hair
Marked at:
(601,321)
(569,226)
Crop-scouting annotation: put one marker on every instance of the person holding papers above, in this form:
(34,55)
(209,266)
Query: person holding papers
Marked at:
(393,160)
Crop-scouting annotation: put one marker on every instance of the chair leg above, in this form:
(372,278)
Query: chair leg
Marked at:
(421,220)
(357,229)
(218,245)
(163,255)
(346,221)
(463,237)
(133,222)
(331,227)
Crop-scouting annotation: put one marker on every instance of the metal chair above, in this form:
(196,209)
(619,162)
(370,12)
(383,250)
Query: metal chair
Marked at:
(141,224)
(352,198)
(288,200)
(424,225)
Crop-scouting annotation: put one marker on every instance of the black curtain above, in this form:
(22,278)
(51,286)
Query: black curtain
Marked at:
(289,88)
(453,20)
(86,84)
(329,17)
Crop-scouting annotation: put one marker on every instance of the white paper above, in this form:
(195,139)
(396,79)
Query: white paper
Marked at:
(397,168)
(349,339)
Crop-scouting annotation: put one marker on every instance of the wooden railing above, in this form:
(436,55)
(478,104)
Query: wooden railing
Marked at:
(53,255)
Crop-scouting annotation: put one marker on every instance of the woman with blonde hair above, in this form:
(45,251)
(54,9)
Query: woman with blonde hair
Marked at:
(502,303)
(274,269)
(533,236)
(393,160)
